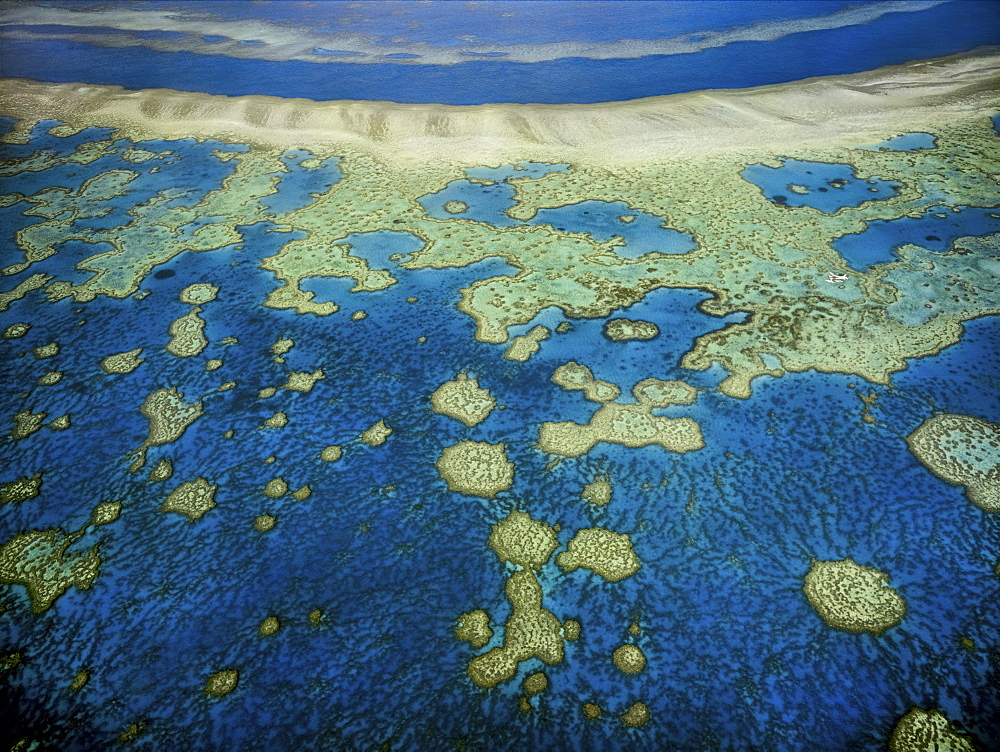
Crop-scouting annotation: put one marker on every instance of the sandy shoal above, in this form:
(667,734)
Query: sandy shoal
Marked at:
(828,111)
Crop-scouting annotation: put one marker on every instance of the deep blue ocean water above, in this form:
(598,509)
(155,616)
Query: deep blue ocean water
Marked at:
(891,39)
(526,22)
(738,659)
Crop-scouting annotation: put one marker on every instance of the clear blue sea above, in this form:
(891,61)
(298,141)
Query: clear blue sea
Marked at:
(737,659)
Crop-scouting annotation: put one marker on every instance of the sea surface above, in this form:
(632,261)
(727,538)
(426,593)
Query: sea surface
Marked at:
(712,45)
(737,657)
(369,575)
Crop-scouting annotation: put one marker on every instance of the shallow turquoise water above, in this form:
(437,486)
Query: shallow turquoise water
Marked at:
(906,142)
(642,232)
(936,229)
(821,185)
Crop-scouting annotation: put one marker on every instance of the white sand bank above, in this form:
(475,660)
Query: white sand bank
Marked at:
(858,108)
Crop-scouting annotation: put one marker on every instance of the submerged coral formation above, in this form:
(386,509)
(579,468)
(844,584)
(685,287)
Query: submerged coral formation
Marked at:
(187,337)
(631,425)
(278,420)
(38,559)
(962,450)
(598,492)
(169,416)
(573,376)
(331,453)
(191,499)
(221,683)
(603,552)
(657,393)
(269,626)
(303,381)
(276,488)
(928,731)
(797,304)
(530,632)
(476,468)
(622,330)
(26,423)
(106,512)
(520,540)
(523,347)
(464,400)
(629,659)
(198,294)
(474,628)
(637,715)
(21,489)
(376,435)
(853,597)
(161,471)
(535,684)
(16,331)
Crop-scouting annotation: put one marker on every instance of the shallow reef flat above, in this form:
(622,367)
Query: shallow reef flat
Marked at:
(962,450)
(753,254)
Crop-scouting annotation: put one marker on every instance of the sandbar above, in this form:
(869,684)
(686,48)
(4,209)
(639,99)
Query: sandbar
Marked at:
(873,105)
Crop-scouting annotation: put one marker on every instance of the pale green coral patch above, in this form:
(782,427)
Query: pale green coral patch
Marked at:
(520,540)
(39,561)
(657,393)
(187,337)
(523,347)
(26,423)
(853,597)
(464,400)
(22,489)
(963,450)
(191,499)
(476,468)
(474,628)
(199,293)
(530,632)
(376,435)
(169,415)
(928,731)
(604,552)
(121,363)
